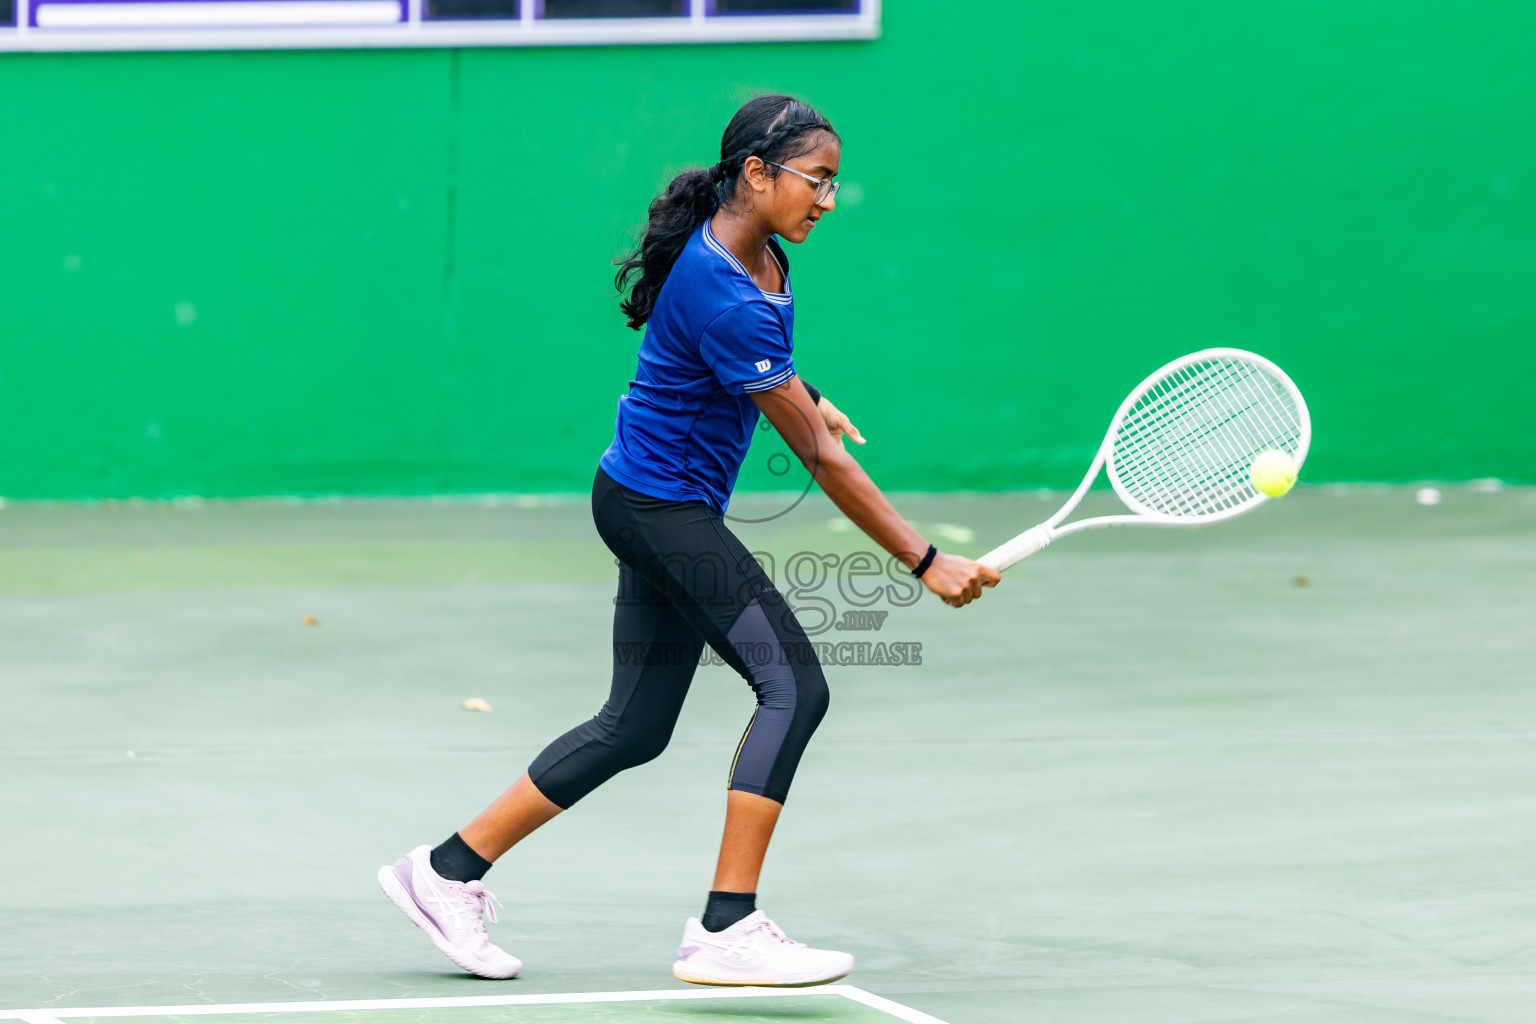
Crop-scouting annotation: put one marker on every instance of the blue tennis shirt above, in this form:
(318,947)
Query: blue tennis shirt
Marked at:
(712,340)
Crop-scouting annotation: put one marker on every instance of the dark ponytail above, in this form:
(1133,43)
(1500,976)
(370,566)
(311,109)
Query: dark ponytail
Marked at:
(773,127)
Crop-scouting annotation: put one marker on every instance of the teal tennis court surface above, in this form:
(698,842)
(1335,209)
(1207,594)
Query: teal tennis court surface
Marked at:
(1277,769)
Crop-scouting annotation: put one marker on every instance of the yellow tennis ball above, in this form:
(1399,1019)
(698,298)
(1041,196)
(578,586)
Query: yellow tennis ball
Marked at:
(1273,473)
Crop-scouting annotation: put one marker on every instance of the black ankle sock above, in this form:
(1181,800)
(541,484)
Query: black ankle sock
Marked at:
(726,908)
(455,861)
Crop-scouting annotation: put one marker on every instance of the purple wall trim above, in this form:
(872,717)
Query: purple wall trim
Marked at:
(710,10)
(30,6)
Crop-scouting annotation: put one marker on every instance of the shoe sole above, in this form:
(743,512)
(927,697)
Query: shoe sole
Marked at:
(690,979)
(398,895)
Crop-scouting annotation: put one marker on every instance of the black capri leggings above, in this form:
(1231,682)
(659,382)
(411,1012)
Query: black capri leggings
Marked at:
(686,581)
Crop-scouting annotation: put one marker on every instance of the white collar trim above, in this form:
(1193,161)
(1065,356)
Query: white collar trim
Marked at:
(781,298)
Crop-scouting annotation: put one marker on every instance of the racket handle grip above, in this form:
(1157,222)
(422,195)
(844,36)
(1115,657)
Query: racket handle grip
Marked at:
(1015,551)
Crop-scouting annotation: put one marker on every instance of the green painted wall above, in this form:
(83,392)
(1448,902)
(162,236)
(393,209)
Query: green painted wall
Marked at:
(387,272)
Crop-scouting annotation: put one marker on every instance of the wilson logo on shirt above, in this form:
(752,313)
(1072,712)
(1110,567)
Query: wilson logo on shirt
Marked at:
(762,365)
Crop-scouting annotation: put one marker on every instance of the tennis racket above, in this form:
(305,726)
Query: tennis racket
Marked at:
(1179,450)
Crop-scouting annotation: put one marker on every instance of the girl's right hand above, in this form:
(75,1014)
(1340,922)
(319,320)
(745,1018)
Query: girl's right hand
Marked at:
(958,580)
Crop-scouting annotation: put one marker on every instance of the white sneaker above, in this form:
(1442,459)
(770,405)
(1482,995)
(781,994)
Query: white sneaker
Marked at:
(754,952)
(449,912)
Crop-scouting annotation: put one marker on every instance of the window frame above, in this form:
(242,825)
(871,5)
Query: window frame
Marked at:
(414,31)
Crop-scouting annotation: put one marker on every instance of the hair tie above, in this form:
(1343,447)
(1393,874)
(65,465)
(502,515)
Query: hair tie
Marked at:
(717,173)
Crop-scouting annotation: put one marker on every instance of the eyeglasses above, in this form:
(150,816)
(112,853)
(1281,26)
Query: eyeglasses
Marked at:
(826,188)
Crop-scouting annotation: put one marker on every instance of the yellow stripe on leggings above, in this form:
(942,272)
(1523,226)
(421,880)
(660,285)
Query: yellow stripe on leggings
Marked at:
(732,776)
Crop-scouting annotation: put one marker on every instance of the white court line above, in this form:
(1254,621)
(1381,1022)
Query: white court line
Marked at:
(51,1015)
(889,1006)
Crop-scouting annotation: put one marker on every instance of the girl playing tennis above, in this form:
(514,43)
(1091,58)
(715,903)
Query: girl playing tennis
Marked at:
(710,284)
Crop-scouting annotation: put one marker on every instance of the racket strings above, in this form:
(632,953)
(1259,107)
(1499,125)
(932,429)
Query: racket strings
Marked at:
(1185,436)
(1185,447)
(1202,425)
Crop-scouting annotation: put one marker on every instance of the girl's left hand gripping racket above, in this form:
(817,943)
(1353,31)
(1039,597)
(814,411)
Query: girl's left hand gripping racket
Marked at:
(1180,448)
